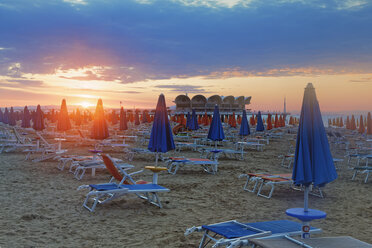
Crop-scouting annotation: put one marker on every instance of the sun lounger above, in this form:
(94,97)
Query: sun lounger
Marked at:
(209,166)
(78,168)
(234,234)
(46,150)
(363,169)
(131,151)
(102,193)
(214,153)
(264,180)
(323,242)
(256,145)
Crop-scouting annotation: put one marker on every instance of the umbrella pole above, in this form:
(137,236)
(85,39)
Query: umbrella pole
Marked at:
(306,224)
(156,159)
(306,199)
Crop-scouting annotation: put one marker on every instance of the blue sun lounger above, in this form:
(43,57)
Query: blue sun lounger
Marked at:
(233,233)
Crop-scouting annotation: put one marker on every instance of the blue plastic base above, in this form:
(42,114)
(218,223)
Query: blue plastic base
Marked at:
(311,214)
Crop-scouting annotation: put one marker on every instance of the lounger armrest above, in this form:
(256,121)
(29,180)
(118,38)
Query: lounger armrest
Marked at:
(155,169)
(193,229)
(83,187)
(243,175)
(136,172)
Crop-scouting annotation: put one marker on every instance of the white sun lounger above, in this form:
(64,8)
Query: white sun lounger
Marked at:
(209,166)
(102,193)
(235,234)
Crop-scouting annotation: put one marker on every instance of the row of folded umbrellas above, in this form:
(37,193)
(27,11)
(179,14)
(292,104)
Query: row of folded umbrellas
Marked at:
(363,124)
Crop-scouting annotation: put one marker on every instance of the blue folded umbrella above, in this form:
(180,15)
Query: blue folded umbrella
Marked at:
(260,126)
(161,139)
(313,161)
(244,126)
(194,121)
(216,130)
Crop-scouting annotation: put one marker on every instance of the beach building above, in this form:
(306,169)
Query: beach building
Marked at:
(202,104)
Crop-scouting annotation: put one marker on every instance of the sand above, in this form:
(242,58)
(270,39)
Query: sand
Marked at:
(40,206)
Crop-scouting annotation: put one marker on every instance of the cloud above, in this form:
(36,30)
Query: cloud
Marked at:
(182,88)
(26,82)
(184,38)
(362,80)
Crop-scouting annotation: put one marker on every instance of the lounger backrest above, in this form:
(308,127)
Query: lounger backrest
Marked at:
(81,134)
(112,169)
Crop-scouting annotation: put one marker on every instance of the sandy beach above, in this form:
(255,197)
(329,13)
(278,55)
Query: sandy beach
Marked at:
(40,206)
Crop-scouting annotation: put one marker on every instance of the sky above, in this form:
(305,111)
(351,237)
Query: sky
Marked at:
(131,51)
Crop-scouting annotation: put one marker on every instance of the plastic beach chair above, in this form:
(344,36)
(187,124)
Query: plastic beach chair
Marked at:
(323,242)
(234,234)
(102,193)
(209,166)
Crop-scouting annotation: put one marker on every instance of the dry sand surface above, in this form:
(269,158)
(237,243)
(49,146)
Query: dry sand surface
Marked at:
(40,206)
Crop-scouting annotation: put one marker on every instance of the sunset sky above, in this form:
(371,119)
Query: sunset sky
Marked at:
(133,50)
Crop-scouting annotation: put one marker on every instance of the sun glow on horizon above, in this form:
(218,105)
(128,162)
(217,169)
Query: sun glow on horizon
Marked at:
(85,104)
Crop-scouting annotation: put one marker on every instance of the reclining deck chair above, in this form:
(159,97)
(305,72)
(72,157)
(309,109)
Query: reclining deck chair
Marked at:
(323,242)
(102,193)
(234,234)
(262,180)
(209,166)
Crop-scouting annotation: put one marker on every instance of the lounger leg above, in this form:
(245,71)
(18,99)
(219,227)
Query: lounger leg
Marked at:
(202,241)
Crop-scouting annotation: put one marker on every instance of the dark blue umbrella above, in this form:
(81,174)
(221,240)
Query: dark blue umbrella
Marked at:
(1,115)
(12,117)
(194,121)
(313,163)
(260,126)
(215,129)
(6,116)
(100,128)
(38,122)
(123,120)
(244,126)
(188,120)
(26,118)
(161,139)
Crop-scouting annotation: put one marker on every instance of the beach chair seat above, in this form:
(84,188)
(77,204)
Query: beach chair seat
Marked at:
(252,178)
(103,193)
(234,234)
(273,181)
(209,166)
(322,242)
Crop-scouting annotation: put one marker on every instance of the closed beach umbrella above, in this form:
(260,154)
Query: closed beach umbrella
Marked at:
(369,124)
(244,126)
(1,115)
(194,121)
(77,118)
(136,119)
(63,118)
(26,118)
(233,120)
(269,123)
(12,117)
(260,126)
(188,120)
(123,120)
(114,118)
(99,129)
(161,138)
(276,121)
(6,116)
(352,123)
(215,129)
(38,120)
(313,162)
(361,125)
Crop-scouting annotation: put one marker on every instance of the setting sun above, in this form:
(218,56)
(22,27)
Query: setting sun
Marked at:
(85,104)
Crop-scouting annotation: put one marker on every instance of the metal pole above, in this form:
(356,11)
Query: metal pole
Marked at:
(306,199)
